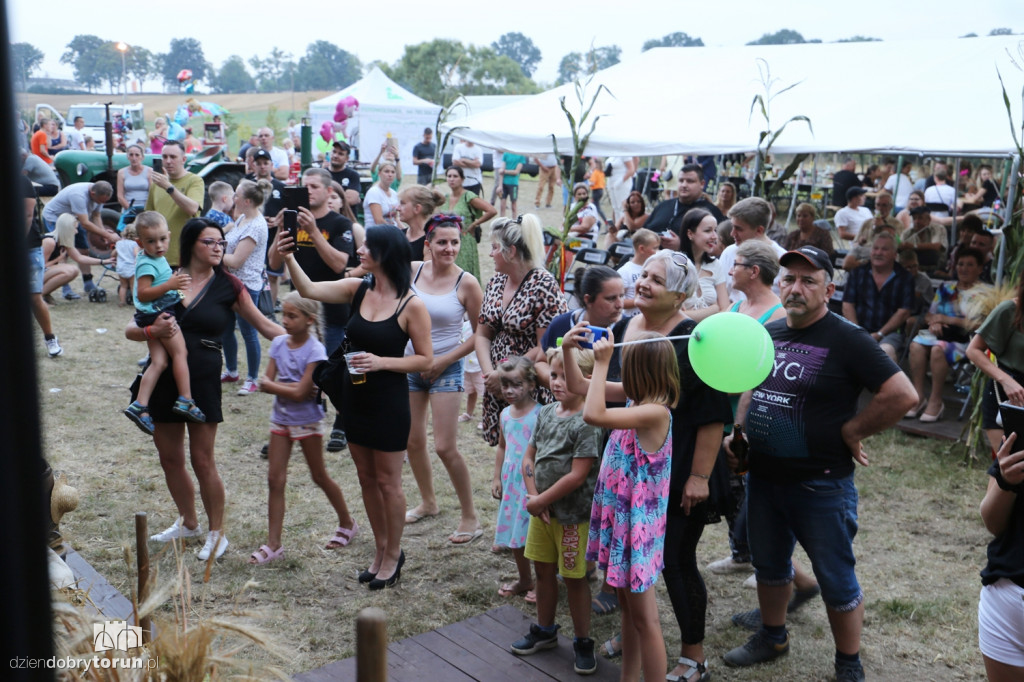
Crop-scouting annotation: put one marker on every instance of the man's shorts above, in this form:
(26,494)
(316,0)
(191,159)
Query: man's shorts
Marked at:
(896,339)
(510,192)
(300,432)
(553,543)
(36,268)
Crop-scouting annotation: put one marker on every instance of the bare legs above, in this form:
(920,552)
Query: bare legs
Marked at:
(380,478)
(169,439)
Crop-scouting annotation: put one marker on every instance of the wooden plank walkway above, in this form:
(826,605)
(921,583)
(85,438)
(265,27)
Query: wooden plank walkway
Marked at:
(108,602)
(473,649)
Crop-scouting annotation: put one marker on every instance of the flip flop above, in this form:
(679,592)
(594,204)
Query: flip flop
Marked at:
(531,597)
(264,555)
(412,517)
(604,603)
(512,590)
(470,537)
(342,536)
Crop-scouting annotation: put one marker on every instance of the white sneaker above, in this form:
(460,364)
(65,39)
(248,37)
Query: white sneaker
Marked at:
(178,531)
(53,347)
(248,387)
(213,538)
(728,565)
(750,582)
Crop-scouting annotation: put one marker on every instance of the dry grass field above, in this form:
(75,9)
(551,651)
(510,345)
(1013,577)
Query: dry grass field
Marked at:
(920,546)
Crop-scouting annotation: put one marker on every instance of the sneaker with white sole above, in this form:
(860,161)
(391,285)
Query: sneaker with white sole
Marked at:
(248,388)
(730,565)
(53,347)
(751,582)
(178,531)
(760,648)
(213,538)
(227,377)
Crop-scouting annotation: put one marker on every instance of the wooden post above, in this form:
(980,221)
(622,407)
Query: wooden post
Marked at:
(371,646)
(142,560)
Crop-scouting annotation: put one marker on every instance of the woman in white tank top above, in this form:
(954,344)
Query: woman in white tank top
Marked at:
(449,293)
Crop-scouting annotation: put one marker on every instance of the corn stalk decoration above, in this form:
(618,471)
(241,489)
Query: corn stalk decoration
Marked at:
(763,103)
(558,259)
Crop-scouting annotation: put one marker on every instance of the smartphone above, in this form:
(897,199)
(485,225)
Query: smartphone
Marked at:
(1013,422)
(593,335)
(290,223)
(158,165)
(294,197)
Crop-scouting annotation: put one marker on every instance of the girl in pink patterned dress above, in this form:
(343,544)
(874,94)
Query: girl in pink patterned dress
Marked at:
(518,380)
(627,523)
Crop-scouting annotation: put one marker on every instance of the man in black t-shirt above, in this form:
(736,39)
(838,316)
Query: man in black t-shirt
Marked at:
(668,215)
(423,158)
(843,180)
(805,434)
(263,169)
(347,177)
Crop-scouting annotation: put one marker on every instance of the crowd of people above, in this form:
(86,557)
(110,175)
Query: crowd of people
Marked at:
(607,455)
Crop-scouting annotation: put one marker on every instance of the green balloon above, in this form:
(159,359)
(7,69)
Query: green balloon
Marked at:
(731,352)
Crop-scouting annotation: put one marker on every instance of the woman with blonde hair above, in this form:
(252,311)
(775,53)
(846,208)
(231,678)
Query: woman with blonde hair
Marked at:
(415,205)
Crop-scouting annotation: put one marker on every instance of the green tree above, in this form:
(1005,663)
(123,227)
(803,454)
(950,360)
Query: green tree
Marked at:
(275,72)
(185,53)
(142,63)
(233,76)
(327,67)
(860,39)
(574,65)
(81,54)
(570,68)
(603,57)
(519,49)
(784,36)
(1001,32)
(441,69)
(25,58)
(677,39)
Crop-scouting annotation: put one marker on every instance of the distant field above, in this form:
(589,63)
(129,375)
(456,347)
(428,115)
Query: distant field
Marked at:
(248,111)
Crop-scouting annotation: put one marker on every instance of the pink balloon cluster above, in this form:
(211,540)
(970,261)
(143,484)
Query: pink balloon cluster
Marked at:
(343,111)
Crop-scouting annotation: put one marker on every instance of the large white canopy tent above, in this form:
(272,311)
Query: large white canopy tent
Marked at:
(923,96)
(385,108)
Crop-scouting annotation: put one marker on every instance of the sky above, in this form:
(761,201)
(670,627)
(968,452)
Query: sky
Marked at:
(556,27)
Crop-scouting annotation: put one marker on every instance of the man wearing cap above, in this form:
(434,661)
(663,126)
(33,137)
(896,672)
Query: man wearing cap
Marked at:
(879,295)
(804,434)
(347,177)
(926,237)
(849,218)
(265,141)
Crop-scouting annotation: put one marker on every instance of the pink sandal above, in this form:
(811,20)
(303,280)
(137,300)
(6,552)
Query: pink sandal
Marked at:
(265,555)
(342,536)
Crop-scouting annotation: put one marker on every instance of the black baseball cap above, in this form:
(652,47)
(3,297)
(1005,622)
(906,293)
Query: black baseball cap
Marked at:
(261,154)
(812,255)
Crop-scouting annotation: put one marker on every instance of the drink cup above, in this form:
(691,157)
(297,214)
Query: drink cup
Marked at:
(357,375)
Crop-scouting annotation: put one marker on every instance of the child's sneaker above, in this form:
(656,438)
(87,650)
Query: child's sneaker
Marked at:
(188,409)
(248,388)
(140,415)
(537,639)
(227,377)
(584,660)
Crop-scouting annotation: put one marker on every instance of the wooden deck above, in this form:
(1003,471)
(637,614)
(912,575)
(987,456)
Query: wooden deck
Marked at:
(104,598)
(473,649)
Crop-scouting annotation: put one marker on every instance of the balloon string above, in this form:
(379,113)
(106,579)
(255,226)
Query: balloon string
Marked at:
(660,338)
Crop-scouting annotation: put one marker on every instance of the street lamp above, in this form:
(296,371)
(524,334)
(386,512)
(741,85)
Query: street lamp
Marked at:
(122,47)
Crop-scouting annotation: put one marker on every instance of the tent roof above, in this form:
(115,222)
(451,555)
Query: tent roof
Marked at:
(927,96)
(376,89)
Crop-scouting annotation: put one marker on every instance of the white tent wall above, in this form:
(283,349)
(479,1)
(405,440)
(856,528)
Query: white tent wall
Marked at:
(384,108)
(925,96)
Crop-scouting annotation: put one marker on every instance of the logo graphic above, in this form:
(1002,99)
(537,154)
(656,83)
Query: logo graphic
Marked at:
(117,635)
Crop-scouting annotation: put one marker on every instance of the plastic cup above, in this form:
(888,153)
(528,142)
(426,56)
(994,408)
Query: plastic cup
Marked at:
(356,374)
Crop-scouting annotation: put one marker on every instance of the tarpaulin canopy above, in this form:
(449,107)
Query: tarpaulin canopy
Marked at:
(923,96)
(385,108)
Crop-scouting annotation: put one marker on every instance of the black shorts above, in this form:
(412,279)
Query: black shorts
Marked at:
(145,319)
(510,192)
(475,188)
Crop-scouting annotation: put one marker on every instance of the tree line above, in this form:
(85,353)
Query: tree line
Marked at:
(438,70)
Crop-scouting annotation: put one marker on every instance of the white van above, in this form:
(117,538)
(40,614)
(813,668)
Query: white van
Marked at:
(94,115)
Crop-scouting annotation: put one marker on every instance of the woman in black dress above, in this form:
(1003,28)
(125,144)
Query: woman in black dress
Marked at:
(212,298)
(385,317)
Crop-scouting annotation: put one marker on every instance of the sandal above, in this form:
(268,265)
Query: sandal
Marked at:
(531,597)
(139,414)
(265,555)
(465,417)
(604,603)
(513,589)
(188,409)
(613,647)
(342,536)
(692,667)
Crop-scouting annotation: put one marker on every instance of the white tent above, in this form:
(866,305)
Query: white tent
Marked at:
(934,96)
(385,108)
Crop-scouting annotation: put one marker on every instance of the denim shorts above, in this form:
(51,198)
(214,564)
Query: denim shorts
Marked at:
(36,268)
(450,380)
(821,515)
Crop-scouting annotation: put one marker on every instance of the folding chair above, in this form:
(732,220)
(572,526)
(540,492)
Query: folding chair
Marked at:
(620,252)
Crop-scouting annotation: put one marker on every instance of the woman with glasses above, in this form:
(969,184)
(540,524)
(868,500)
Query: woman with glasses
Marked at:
(450,294)
(667,280)
(211,299)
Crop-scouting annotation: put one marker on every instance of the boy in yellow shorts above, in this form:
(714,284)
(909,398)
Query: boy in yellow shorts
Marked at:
(560,469)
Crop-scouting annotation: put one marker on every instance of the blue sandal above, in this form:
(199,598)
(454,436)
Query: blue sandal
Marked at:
(139,414)
(187,408)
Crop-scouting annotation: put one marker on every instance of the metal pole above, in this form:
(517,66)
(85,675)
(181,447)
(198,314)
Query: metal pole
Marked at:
(1011,195)
(956,191)
(896,187)
(306,157)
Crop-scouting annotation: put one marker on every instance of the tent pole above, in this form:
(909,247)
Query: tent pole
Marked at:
(896,187)
(1007,215)
(956,191)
